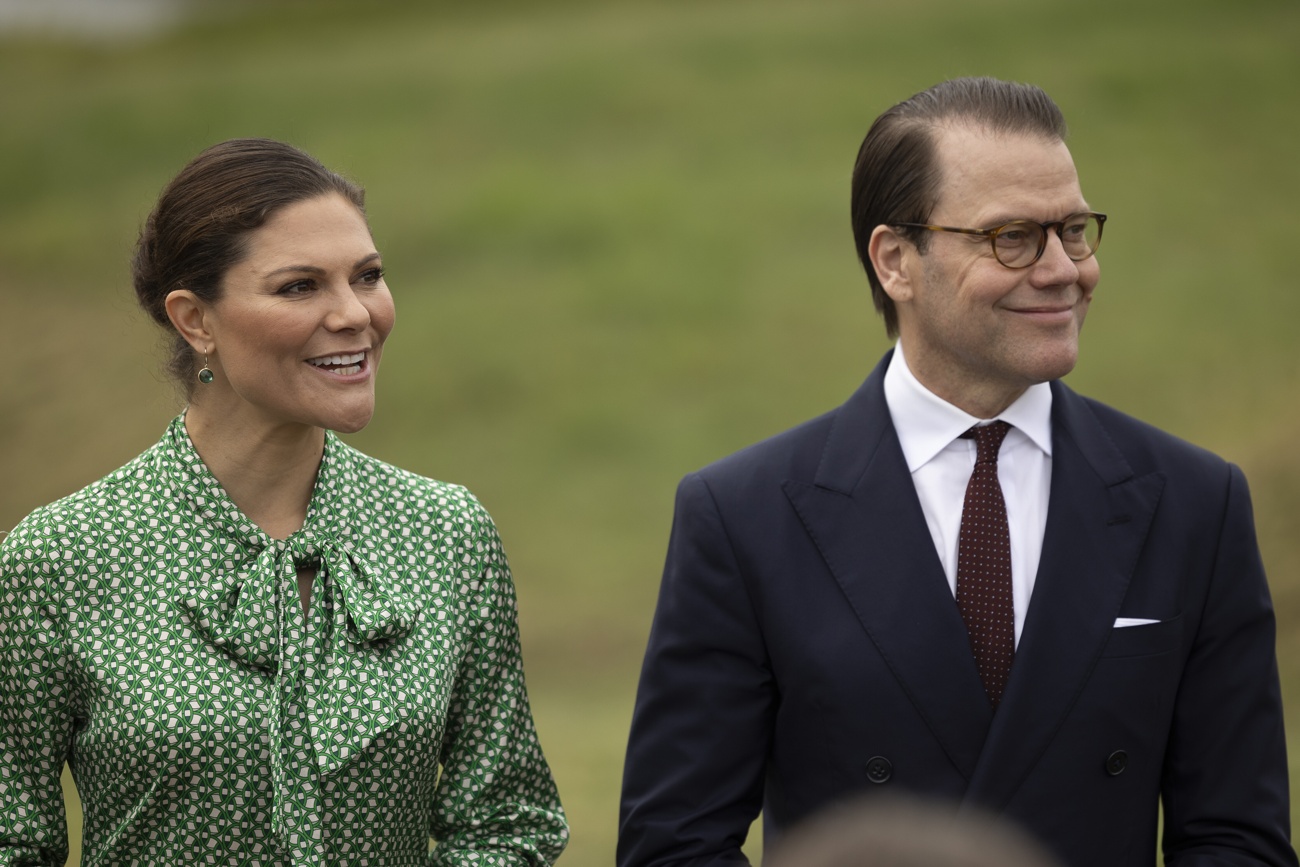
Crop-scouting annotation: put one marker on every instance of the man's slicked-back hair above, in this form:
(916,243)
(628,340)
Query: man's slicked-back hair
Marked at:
(896,178)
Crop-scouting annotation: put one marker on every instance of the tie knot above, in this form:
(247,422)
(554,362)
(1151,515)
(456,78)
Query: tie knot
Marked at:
(988,439)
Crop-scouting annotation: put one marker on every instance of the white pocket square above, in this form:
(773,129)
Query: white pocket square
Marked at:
(1121,622)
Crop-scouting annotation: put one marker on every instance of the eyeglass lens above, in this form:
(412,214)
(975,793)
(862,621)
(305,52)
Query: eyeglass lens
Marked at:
(1020,243)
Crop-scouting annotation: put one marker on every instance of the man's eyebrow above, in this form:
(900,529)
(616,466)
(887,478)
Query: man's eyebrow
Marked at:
(313,269)
(1006,217)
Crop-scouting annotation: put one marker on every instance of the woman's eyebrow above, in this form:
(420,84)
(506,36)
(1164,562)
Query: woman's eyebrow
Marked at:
(314,269)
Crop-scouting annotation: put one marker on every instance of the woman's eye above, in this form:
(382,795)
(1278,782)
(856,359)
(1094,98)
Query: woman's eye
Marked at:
(297,287)
(371,276)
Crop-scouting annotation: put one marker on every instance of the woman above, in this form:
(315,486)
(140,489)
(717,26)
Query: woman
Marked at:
(254,644)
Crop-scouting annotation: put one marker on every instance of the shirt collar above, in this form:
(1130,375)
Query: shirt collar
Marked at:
(926,423)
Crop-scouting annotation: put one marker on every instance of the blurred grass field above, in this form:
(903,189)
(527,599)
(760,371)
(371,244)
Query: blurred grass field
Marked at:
(618,238)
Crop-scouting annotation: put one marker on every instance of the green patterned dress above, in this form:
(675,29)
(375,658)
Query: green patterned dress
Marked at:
(152,636)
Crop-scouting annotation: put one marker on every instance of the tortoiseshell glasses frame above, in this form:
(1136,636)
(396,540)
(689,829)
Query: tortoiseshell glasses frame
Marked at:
(1020,243)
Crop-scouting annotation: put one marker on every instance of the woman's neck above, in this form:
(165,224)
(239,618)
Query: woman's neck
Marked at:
(269,470)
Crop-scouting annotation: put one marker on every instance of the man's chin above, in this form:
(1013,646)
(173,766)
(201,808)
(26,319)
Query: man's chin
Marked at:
(1053,360)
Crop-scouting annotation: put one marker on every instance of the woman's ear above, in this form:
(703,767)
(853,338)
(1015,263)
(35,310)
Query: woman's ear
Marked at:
(890,254)
(188,314)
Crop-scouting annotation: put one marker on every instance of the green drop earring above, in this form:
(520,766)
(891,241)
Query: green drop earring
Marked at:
(205,375)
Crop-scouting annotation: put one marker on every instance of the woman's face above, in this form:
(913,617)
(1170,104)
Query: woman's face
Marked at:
(300,325)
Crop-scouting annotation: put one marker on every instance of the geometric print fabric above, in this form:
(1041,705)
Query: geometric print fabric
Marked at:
(151,636)
(984,564)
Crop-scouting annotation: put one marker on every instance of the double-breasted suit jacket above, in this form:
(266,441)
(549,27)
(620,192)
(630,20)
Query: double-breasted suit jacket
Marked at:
(807,646)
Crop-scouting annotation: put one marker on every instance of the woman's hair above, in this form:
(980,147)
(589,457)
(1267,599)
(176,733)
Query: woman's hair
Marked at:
(200,226)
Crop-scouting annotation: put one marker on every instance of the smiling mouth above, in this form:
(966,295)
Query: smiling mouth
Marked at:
(343,365)
(1051,311)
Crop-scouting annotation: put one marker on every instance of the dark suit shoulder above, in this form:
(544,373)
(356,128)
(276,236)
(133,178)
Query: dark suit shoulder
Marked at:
(1146,447)
(834,447)
(793,453)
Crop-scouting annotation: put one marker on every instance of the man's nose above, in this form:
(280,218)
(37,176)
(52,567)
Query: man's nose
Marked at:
(1054,267)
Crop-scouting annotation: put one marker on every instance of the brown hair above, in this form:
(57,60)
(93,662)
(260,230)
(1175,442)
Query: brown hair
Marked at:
(896,176)
(200,226)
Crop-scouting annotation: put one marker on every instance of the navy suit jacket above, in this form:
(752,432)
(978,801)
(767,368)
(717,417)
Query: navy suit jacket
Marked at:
(806,646)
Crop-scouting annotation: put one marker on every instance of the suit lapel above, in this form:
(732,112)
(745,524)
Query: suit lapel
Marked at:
(1097,521)
(864,516)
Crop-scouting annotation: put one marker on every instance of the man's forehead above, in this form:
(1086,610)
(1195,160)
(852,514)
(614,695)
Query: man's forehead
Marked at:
(993,175)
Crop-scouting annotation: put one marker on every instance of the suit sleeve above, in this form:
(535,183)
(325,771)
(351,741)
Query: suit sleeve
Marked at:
(702,725)
(36,719)
(1224,785)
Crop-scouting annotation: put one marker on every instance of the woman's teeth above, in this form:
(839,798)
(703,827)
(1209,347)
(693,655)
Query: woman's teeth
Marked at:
(344,365)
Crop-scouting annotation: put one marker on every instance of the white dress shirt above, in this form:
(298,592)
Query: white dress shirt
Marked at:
(929,429)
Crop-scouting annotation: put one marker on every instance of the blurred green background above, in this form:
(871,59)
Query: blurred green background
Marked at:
(618,238)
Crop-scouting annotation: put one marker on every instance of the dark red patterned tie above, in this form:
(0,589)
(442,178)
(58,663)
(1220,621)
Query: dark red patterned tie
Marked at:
(984,564)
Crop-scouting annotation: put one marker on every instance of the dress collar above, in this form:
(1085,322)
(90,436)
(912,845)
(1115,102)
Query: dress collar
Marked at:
(327,512)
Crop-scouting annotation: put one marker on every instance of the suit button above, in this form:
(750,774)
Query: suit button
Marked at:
(879,770)
(1116,762)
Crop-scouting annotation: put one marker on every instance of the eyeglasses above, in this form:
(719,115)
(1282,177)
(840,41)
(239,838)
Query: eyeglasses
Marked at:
(1021,243)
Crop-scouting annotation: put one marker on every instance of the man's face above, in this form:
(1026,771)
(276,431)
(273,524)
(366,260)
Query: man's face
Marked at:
(974,331)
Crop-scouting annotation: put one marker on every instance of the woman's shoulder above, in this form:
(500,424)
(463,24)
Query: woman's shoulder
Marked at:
(383,488)
(87,512)
(54,539)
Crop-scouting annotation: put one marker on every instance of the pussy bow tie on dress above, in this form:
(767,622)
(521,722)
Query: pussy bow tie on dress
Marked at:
(241,584)
(247,619)
(245,616)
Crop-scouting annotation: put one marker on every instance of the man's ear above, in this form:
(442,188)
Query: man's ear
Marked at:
(188,314)
(890,254)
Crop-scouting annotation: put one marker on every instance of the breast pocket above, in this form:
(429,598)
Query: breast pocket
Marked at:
(1148,639)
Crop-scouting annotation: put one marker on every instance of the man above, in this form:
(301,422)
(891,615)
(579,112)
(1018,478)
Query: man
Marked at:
(967,582)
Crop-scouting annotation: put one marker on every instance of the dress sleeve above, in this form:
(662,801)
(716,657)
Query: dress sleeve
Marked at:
(496,803)
(36,721)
